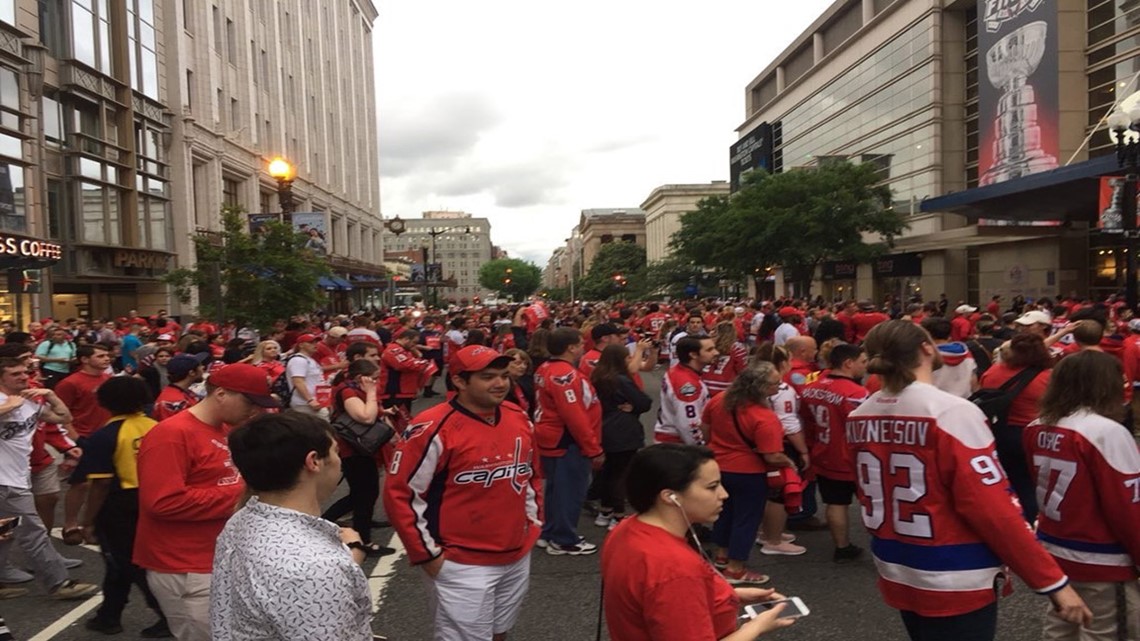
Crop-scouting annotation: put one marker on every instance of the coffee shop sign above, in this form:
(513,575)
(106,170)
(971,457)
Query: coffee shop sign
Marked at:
(29,248)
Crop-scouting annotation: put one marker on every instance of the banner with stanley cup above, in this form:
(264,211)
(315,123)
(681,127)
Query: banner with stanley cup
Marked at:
(1018,101)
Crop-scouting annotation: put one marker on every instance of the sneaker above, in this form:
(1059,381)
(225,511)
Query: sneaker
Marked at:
(614,522)
(603,519)
(847,554)
(71,564)
(581,548)
(14,575)
(541,543)
(7,592)
(746,577)
(71,590)
(96,624)
(720,562)
(782,549)
(787,537)
(157,631)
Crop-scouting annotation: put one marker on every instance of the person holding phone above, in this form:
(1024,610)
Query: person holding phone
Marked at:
(657,585)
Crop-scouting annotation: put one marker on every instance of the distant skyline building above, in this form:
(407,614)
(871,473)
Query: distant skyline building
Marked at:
(458,241)
(664,208)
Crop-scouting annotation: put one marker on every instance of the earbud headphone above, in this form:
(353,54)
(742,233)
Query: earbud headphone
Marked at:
(673,500)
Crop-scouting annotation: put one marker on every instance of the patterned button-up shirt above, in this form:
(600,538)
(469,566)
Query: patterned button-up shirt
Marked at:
(282,574)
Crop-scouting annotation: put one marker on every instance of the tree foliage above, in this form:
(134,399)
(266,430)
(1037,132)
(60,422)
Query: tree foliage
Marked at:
(524,277)
(618,270)
(794,219)
(672,275)
(260,278)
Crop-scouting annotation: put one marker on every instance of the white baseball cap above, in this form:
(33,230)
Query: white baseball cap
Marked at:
(1034,317)
(965,309)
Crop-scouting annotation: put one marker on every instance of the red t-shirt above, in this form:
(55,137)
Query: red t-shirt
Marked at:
(1023,410)
(188,489)
(659,589)
(77,392)
(762,432)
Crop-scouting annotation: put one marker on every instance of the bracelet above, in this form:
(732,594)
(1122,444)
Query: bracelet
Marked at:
(357,545)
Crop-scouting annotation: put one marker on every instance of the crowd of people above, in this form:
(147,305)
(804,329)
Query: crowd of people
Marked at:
(202,460)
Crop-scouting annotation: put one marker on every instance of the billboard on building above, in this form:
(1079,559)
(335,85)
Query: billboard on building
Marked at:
(258,223)
(1110,213)
(753,151)
(313,225)
(1018,92)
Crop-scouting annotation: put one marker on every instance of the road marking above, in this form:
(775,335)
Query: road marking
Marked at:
(384,570)
(65,621)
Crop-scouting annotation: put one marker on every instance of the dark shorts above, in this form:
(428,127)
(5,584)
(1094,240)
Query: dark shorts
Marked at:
(835,492)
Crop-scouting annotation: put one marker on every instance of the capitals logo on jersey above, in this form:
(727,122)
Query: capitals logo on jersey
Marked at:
(515,470)
(563,380)
(416,429)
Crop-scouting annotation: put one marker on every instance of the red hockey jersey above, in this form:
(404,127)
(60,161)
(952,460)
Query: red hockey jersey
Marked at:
(723,371)
(1088,486)
(568,411)
(942,517)
(824,406)
(402,373)
(465,486)
(683,399)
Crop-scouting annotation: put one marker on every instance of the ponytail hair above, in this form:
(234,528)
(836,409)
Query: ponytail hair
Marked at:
(895,351)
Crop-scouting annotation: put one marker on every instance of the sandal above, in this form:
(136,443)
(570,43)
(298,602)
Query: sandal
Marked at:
(73,536)
(745,577)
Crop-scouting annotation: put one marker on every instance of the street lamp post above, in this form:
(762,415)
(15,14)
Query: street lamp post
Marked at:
(1124,130)
(433,232)
(284,173)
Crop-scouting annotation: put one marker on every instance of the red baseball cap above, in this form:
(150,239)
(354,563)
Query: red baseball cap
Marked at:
(474,358)
(247,380)
(308,338)
(789,311)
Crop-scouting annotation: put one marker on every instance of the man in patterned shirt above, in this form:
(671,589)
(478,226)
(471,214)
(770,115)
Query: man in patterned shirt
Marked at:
(308,583)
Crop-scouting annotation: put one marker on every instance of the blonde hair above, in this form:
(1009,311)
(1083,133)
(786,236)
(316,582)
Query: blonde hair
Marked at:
(259,351)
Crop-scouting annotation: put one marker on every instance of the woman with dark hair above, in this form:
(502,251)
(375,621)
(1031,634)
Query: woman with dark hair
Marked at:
(522,385)
(748,440)
(356,396)
(1027,358)
(658,586)
(937,503)
(622,434)
(537,347)
(155,375)
(1088,465)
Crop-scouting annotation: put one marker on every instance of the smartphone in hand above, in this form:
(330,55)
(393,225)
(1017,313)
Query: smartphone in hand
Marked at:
(793,608)
(9,524)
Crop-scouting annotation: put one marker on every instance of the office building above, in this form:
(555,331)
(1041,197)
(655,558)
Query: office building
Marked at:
(664,208)
(457,241)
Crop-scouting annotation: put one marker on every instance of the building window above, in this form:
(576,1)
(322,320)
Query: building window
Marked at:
(51,27)
(9,99)
(235,114)
(217,15)
(153,212)
(231,192)
(231,42)
(142,50)
(12,198)
(99,212)
(265,200)
(8,11)
(55,212)
(91,33)
(629,238)
(189,89)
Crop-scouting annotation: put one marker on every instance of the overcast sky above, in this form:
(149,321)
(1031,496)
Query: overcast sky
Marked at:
(527,112)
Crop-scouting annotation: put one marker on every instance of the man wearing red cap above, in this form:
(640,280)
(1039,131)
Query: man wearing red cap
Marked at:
(463,496)
(790,318)
(188,488)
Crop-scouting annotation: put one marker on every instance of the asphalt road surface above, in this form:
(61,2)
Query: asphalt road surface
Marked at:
(564,594)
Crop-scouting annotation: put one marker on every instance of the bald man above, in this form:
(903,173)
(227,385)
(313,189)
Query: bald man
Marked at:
(802,350)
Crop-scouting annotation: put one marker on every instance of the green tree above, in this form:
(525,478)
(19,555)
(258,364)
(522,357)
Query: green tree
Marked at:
(618,270)
(515,278)
(671,276)
(257,279)
(794,219)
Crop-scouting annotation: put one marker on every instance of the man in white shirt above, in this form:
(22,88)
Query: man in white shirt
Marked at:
(21,409)
(308,583)
(305,377)
(791,318)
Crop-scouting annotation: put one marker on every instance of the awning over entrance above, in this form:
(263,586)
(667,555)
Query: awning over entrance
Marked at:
(341,284)
(1065,193)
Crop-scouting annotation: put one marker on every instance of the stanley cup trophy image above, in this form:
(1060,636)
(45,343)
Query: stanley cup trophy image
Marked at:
(1017,144)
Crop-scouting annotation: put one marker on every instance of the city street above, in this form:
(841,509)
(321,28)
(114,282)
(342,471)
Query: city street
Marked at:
(564,594)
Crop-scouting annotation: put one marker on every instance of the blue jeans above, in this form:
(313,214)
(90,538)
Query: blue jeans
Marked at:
(567,478)
(736,527)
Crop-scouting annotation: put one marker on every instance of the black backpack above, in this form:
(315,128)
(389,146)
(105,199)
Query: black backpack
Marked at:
(995,402)
(281,387)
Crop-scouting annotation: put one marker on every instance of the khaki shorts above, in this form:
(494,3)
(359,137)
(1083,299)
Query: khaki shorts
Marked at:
(46,481)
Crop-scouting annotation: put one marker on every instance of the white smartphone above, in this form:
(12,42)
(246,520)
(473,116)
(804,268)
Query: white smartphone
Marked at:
(793,608)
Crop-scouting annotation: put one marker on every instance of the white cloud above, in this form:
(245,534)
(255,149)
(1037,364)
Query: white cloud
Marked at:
(528,112)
